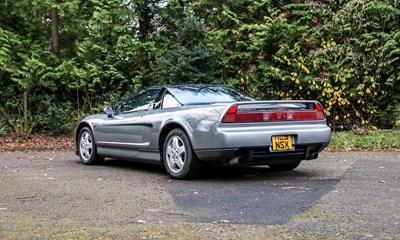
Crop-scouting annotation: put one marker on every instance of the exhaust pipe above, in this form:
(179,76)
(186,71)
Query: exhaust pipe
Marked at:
(311,156)
(236,160)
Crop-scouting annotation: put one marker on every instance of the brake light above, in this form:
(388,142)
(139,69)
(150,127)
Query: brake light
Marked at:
(230,115)
(318,107)
(235,116)
(320,111)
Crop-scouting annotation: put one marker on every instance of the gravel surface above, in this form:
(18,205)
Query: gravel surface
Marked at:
(343,195)
(364,205)
(266,200)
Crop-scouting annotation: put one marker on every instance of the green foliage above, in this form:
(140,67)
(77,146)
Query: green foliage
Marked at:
(343,53)
(11,110)
(54,117)
(189,60)
(182,65)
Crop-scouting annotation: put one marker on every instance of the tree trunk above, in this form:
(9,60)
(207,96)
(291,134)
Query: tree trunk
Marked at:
(144,14)
(144,21)
(55,35)
(26,124)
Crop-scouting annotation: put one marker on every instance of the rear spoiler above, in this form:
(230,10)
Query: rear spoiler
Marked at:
(273,111)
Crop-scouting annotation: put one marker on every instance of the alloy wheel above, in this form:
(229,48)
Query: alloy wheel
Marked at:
(175,154)
(86,146)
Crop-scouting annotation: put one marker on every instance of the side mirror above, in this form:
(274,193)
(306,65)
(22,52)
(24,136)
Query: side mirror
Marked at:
(156,105)
(109,111)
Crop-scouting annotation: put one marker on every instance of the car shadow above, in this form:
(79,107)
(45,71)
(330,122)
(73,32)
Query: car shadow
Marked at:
(252,195)
(134,166)
(216,173)
(242,195)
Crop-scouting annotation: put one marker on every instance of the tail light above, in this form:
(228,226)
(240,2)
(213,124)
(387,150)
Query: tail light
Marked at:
(233,115)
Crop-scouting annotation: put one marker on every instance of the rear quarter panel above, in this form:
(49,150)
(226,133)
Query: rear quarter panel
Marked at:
(199,122)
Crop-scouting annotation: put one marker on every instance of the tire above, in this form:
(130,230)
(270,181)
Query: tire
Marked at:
(178,157)
(285,167)
(87,148)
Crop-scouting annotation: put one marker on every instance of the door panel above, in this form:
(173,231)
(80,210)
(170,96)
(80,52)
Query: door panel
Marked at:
(124,133)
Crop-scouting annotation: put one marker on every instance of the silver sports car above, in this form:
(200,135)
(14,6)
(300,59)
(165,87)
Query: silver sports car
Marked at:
(187,127)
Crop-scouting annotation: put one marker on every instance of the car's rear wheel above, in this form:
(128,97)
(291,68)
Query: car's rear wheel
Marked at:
(87,148)
(285,167)
(178,157)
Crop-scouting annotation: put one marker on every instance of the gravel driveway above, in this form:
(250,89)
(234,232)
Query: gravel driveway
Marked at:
(344,195)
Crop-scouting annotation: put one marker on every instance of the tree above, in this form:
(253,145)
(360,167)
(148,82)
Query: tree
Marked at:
(70,58)
(189,60)
(24,61)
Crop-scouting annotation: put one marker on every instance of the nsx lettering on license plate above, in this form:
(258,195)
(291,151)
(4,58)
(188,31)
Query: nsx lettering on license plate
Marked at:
(282,143)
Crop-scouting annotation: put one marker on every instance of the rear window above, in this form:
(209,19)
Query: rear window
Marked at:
(207,95)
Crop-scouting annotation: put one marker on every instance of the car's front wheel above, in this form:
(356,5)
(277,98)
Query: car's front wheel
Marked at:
(178,157)
(87,148)
(286,166)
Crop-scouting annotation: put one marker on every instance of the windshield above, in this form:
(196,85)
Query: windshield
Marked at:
(189,95)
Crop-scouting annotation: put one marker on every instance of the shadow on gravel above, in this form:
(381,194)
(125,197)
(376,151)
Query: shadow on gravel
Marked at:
(255,195)
(250,173)
(214,173)
(247,196)
(134,166)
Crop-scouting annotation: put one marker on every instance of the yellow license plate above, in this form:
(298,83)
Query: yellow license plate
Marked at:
(282,143)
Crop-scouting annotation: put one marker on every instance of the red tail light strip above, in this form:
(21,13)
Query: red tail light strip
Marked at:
(233,116)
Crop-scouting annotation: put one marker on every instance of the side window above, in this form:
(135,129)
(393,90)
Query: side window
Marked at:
(140,101)
(169,101)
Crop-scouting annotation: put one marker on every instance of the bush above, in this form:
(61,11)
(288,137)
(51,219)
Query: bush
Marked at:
(53,117)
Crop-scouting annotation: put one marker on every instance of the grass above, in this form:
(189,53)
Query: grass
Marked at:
(371,140)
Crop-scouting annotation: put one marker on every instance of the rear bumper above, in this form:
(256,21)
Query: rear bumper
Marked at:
(260,135)
(265,156)
(260,155)
(252,143)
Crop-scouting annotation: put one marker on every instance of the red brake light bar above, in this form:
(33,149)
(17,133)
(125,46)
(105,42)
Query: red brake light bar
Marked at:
(233,116)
